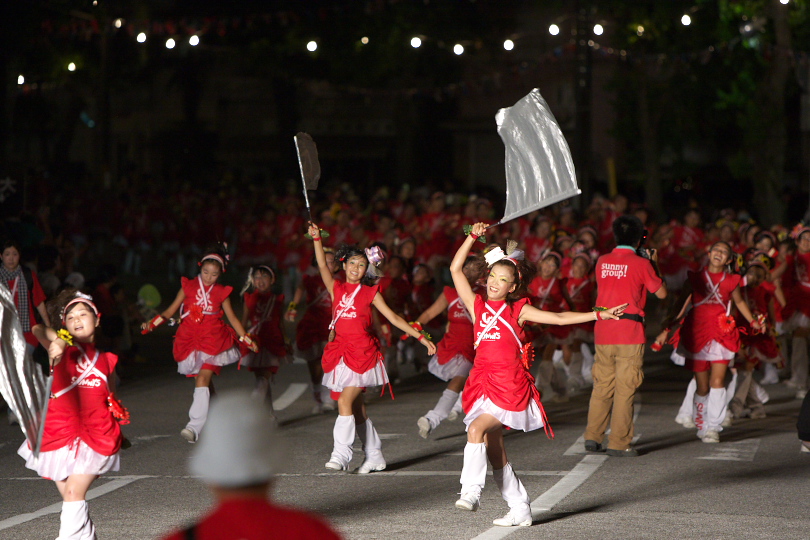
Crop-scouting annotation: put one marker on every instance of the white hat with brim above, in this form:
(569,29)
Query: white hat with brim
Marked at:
(240,445)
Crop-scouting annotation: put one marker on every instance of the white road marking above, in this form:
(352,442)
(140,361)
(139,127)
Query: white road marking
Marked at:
(422,473)
(734,451)
(115,483)
(578,448)
(289,396)
(545,502)
(147,438)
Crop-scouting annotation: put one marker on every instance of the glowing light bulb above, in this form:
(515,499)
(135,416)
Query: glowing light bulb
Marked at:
(20,79)
(686,20)
(458,48)
(508,44)
(416,42)
(312,46)
(71,66)
(364,40)
(141,37)
(640,30)
(118,23)
(553,29)
(170,43)
(598,29)
(194,41)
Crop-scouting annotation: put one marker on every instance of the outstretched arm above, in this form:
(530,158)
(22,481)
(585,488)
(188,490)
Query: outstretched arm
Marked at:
(463,287)
(532,314)
(433,311)
(400,323)
(232,318)
(320,256)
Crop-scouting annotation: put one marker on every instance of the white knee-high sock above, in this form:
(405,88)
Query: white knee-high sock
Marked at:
(687,407)
(442,408)
(474,472)
(198,413)
(75,522)
(372,445)
(457,406)
(343,435)
(732,386)
(513,492)
(799,362)
(699,413)
(716,406)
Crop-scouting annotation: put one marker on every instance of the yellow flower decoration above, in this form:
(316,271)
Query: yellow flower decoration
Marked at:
(65,335)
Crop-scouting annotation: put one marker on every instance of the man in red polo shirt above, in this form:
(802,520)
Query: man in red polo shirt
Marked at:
(621,276)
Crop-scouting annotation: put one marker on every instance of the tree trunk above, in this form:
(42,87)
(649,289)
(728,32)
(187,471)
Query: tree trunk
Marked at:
(648,128)
(767,131)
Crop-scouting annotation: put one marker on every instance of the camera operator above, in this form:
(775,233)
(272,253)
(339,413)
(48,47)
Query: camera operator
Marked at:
(621,276)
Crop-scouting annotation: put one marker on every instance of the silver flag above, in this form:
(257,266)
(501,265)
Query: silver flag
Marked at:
(539,168)
(22,383)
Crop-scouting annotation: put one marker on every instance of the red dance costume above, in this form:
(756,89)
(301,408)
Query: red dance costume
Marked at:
(203,340)
(547,295)
(353,358)
(499,384)
(702,339)
(80,436)
(580,291)
(313,328)
(797,289)
(761,346)
(455,352)
(264,322)
(254,519)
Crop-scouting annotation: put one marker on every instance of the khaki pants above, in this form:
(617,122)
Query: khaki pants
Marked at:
(617,373)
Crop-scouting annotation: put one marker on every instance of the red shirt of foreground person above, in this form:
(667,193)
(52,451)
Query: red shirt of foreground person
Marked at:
(237,457)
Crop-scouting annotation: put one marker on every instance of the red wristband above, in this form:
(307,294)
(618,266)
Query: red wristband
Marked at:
(474,236)
(316,238)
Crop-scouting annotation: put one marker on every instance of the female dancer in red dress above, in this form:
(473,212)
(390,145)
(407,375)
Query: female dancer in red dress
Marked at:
(797,312)
(312,331)
(353,361)
(707,340)
(500,391)
(203,343)
(262,318)
(580,290)
(547,291)
(454,355)
(81,438)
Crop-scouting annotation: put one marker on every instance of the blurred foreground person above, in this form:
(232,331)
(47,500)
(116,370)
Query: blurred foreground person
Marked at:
(237,457)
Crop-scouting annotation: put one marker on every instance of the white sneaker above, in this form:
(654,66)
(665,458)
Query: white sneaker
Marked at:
(685,421)
(424,427)
(189,434)
(711,436)
(468,501)
(728,420)
(453,415)
(368,467)
(335,466)
(511,520)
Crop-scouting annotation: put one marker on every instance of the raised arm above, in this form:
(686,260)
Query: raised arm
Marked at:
(463,287)
(434,310)
(532,314)
(320,256)
(402,324)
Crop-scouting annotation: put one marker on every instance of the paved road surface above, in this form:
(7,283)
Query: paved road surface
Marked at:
(754,484)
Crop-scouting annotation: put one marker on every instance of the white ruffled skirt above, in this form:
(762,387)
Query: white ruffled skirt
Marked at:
(711,352)
(194,362)
(75,458)
(796,321)
(527,420)
(342,376)
(458,366)
(263,359)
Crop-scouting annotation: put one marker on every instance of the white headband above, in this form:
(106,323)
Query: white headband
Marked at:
(80,298)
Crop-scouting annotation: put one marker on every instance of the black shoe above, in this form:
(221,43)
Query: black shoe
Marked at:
(593,446)
(630,452)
